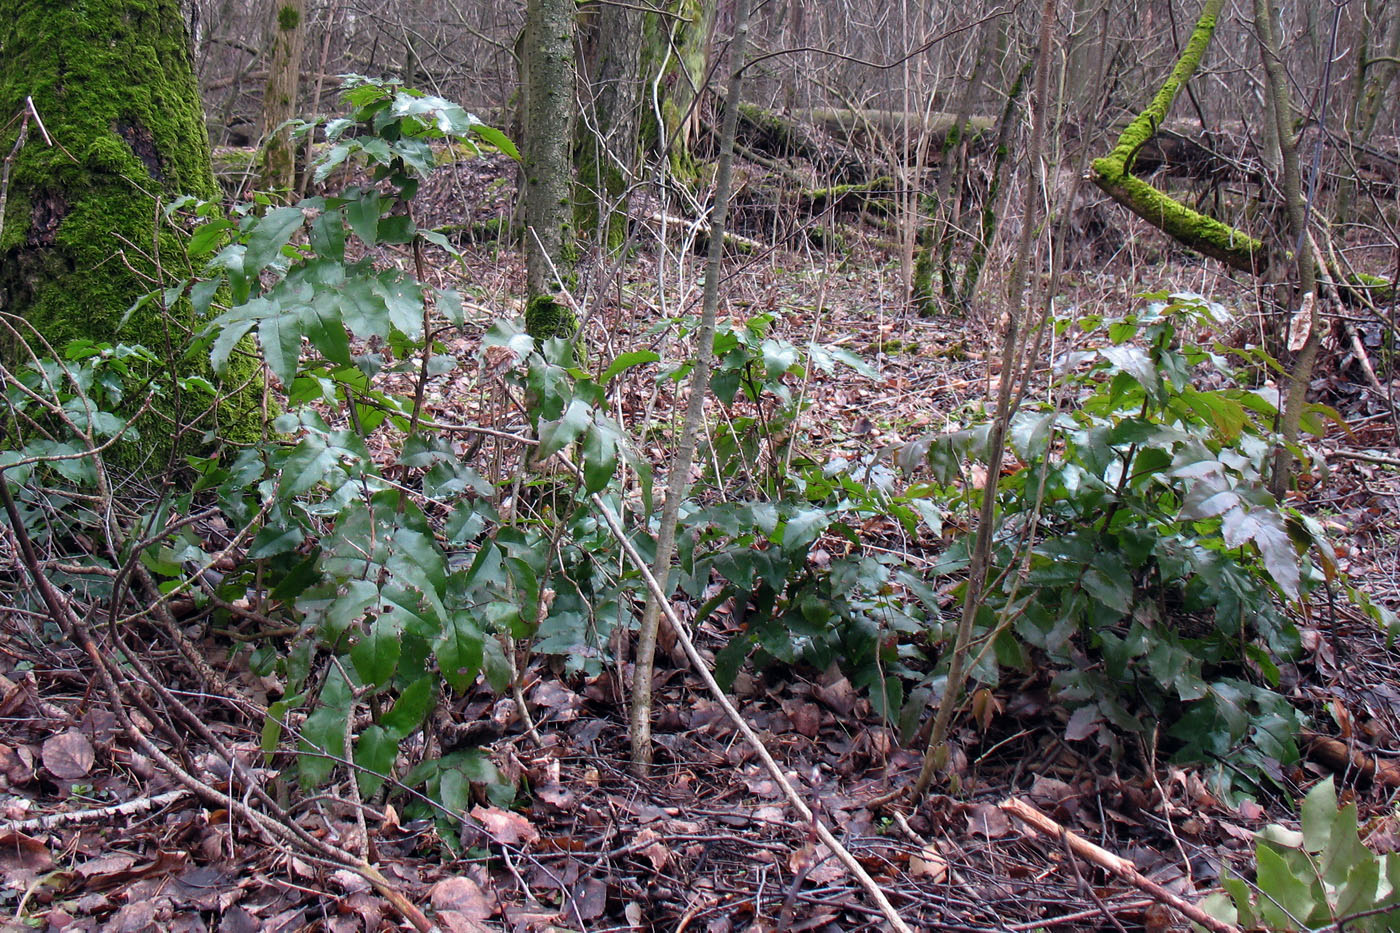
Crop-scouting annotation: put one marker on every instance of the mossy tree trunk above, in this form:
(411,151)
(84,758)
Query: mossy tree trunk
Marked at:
(605,147)
(675,58)
(280,96)
(113,84)
(549,97)
(1114,175)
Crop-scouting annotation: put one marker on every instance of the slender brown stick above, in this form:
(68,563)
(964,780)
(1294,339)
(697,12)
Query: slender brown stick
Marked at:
(1114,864)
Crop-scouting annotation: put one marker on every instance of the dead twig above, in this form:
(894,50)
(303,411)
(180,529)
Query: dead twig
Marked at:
(1113,864)
(95,815)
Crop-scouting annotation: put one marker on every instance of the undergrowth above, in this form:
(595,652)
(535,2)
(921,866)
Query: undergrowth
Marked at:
(1141,565)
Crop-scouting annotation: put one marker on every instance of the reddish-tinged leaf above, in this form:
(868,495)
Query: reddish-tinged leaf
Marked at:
(818,862)
(19,852)
(806,718)
(68,756)
(1083,723)
(986,819)
(505,827)
(653,849)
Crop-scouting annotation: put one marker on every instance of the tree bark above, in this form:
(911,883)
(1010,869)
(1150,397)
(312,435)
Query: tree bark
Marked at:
(280,96)
(549,91)
(1113,173)
(605,149)
(1304,295)
(113,83)
(675,58)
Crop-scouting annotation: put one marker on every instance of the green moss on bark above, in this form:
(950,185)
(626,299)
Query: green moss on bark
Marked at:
(546,318)
(112,82)
(1113,173)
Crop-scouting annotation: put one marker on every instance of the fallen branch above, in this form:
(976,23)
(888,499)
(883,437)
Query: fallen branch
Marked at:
(702,232)
(1113,864)
(96,814)
(1342,757)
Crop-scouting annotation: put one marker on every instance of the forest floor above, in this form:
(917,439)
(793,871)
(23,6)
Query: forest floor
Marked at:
(95,836)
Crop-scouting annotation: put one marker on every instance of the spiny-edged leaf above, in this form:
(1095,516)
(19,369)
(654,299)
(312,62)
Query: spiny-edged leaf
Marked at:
(272,725)
(207,237)
(557,434)
(227,341)
(1135,362)
(459,651)
(802,528)
(362,309)
(600,445)
(1319,812)
(272,540)
(327,235)
(324,730)
(1344,851)
(411,708)
(321,324)
(1288,902)
(363,217)
(454,791)
(449,305)
(376,656)
(375,751)
(271,234)
(403,299)
(397,228)
(1239,893)
(307,465)
(498,139)
(1029,433)
(1227,415)
(626,361)
(1356,891)
(331,160)
(778,357)
(1266,528)
(1206,500)
(281,343)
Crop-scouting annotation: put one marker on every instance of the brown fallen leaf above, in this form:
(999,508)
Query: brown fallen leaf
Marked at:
(68,756)
(504,826)
(929,863)
(587,901)
(462,896)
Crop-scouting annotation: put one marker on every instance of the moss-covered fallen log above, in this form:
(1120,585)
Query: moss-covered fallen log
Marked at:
(1236,248)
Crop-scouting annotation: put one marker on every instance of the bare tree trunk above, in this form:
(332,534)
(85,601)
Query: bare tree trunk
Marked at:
(605,150)
(1281,109)
(280,97)
(678,474)
(549,59)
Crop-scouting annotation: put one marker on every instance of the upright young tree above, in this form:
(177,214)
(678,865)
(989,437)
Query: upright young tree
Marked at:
(548,64)
(122,133)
